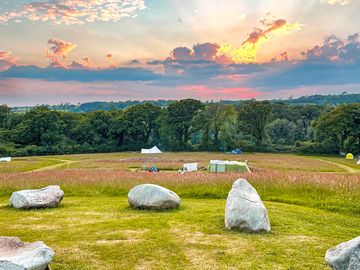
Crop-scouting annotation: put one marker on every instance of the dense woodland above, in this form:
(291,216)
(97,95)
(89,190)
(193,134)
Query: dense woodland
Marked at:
(343,98)
(184,125)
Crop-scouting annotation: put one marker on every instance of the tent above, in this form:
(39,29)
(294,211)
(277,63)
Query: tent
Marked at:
(190,167)
(349,156)
(228,166)
(5,159)
(153,150)
(236,152)
(358,163)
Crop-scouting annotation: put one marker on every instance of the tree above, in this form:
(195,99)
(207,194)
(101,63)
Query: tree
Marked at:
(339,129)
(253,117)
(282,131)
(177,123)
(40,126)
(4,114)
(140,123)
(217,123)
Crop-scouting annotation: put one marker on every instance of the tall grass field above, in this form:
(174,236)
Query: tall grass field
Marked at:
(313,204)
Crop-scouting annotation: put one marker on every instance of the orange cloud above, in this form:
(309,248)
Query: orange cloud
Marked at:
(247,52)
(61,48)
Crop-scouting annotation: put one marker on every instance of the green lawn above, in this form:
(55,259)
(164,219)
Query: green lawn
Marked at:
(313,205)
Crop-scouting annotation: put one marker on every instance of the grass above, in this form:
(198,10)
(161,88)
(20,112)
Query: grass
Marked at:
(313,205)
(27,164)
(104,233)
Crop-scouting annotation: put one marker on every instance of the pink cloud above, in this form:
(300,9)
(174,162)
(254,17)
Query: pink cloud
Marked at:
(75,11)
(205,92)
(6,60)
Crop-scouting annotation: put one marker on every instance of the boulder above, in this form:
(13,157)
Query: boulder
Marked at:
(50,196)
(345,256)
(18,255)
(244,209)
(149,196)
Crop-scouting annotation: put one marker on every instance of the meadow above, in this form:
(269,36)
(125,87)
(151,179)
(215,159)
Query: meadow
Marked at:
(313,204)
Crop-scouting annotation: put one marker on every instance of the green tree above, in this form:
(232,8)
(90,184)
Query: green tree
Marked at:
(217,124)
(339,129)
(253,117)
(177,123)
(4,114)
(40,126)
(139,123)
(282,131)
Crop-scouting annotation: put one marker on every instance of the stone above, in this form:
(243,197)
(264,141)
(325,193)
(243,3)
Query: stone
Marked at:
(18,255)
(50,196)
(345,256)
(244,209)
(149,196)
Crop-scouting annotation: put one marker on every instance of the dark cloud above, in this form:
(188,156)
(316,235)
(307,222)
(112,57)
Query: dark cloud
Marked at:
(336,50)
(80,74)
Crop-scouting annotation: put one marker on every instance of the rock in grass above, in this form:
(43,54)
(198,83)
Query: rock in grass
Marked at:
(18,255)
(50,196)
(345,256)
(244,209)
(149,196)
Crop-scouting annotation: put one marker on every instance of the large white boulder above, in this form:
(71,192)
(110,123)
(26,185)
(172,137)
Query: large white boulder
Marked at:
(149,196)
(244,209)
(18,255)
(50,196)
(345,256)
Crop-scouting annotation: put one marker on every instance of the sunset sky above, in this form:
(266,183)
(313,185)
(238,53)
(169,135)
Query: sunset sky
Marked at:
(55,51)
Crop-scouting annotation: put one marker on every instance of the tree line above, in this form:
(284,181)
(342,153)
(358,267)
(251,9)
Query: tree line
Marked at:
(185,125)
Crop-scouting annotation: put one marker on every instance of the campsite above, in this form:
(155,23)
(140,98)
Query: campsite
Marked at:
(312,201)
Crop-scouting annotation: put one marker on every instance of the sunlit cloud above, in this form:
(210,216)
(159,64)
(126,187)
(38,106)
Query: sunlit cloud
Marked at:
(336,2)
(74,11)
(248,51)
(60,49)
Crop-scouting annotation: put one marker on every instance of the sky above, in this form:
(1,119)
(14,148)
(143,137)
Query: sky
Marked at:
(76,51)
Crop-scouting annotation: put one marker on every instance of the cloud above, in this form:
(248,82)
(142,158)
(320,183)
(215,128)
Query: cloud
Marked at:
(6,60)
(336,2)
(336,49)
(75,11)
(109,57)
(247,52)
(61,48)
(227,54)
(79,73)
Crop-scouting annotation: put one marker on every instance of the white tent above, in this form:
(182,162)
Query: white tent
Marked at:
(153,150)
(358,163)
(5,159)
(190,167)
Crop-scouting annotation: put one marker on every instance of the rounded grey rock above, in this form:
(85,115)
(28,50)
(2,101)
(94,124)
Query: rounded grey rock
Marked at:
(50,196)
(149,196)
(18,255)
(345,256)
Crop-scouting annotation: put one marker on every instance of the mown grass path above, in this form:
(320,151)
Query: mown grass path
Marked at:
(62,164)
(345,167)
